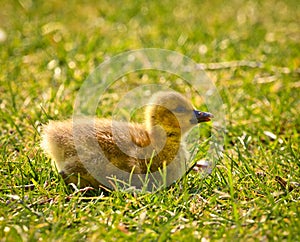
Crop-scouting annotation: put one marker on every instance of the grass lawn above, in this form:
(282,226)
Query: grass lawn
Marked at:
(47,50)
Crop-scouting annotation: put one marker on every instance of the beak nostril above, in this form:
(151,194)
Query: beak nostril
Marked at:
(202,116)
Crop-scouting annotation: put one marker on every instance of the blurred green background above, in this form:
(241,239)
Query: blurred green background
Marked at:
(252,54)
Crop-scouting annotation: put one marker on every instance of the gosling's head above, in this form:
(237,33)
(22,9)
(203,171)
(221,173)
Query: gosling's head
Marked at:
(174,113)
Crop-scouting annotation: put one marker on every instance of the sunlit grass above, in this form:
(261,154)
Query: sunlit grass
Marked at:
(47,50)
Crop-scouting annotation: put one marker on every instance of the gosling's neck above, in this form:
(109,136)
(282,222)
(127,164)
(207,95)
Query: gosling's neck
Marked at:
(163,135)
(166,143)
(162,124)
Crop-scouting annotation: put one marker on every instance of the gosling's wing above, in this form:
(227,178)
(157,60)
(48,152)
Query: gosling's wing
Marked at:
(124,140)
(122,134)
(139,135)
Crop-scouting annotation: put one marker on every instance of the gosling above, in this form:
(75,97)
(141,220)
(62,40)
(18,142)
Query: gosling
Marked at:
(101,152)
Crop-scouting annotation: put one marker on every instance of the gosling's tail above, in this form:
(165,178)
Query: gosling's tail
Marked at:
(57,142)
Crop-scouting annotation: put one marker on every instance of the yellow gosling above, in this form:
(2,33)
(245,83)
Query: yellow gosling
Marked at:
(94,149)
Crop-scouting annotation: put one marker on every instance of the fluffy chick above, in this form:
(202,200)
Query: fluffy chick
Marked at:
(95,149)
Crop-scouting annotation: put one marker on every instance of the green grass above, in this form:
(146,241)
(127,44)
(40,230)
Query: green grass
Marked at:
(48,50)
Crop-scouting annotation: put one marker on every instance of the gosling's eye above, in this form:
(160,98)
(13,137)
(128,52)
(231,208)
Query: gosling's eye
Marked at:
(180,109)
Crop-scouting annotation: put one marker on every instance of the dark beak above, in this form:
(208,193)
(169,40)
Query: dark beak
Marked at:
(202,116)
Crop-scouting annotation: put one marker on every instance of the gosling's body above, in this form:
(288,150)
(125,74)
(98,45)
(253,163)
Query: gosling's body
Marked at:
(95,149)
